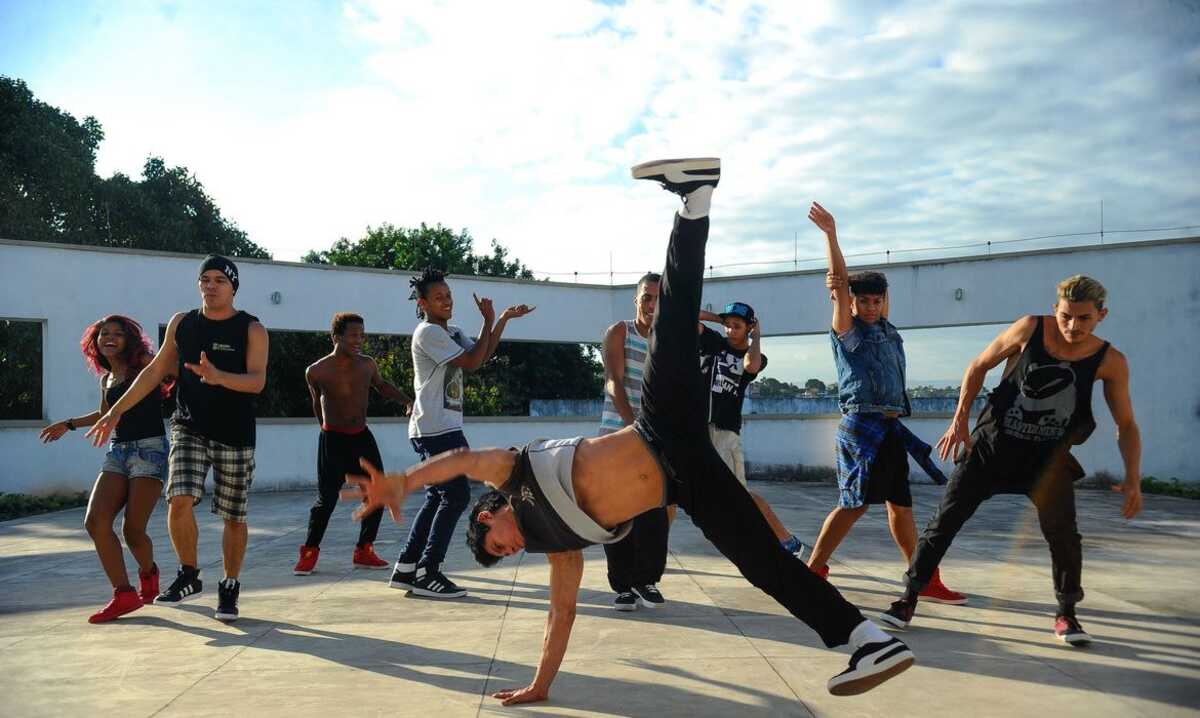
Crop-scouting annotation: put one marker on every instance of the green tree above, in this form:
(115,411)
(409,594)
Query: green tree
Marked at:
(772,387)
(520,371)
(815,386)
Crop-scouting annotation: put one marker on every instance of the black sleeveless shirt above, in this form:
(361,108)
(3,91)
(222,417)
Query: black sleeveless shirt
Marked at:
(214,412)
(1043,405)
(143,420)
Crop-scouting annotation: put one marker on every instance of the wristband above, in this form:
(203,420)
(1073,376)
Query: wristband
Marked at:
(70,424)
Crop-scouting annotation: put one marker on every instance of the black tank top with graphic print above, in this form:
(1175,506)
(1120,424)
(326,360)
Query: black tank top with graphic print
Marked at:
(214,412)
(1043,405)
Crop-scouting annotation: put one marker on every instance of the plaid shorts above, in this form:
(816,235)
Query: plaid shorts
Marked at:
(233,470)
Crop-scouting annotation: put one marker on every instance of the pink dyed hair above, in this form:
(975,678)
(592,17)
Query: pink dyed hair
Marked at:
(138,349)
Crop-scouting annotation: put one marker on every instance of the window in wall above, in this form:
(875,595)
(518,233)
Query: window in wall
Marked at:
(20,369)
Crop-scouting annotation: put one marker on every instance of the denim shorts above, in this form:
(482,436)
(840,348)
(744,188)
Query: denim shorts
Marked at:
(143,458)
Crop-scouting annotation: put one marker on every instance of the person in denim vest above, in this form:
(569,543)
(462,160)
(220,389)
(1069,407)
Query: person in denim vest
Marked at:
(131,477)
(872,444)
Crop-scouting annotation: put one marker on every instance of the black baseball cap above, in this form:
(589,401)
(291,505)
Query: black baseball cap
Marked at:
(741,310)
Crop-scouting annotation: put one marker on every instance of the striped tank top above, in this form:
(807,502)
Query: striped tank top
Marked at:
(636,348)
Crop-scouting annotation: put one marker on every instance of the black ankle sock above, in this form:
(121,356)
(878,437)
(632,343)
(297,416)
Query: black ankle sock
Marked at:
(190,570)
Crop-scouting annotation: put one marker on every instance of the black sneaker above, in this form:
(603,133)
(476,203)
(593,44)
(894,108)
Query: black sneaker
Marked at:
(625,601)
(432,584)
(681,176)
(403,579)
(649,596)
(899,615)
(186,583)
(227,598)
(871,665)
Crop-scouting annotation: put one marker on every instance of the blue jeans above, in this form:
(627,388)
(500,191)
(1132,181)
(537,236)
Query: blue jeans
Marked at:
(433,526)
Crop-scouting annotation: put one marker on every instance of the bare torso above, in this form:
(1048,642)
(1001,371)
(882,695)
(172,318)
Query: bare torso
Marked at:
(616,477)
(344,384)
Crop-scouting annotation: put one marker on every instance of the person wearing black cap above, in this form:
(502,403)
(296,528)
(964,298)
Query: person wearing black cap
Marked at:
(219,355)
(730,364)
(872,444)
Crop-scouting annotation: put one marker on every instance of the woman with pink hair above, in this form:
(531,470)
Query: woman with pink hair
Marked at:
(131,478)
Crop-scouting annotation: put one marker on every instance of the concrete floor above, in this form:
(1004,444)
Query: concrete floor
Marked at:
(339,642)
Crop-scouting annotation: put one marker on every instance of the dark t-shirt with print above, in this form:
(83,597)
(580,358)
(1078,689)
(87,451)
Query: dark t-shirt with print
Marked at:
(726,378)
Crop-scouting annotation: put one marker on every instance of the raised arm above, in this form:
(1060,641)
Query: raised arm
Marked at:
(474,357)
(566,572)
(514,312)
(148,379)
(1114,372)
(613,355)
(387,389)
(255,376)
(842,319)
(314,391)
(1009,342)
(376,489)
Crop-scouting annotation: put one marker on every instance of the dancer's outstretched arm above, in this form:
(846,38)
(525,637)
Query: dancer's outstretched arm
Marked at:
(566,572)
(842,319)
(1114,372)
(1009,343)
(377,489)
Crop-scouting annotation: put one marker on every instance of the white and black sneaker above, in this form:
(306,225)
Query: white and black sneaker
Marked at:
(432,584)
(187,583)
(625,601)
(649,596)
(681,176)
(403,577)
(227,599)
(871,665)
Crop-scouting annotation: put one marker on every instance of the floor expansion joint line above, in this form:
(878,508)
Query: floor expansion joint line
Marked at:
(483,694)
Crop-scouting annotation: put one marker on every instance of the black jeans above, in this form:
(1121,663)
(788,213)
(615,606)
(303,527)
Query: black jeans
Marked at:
(338,455)
(641,557)
(674,419)
(987,472)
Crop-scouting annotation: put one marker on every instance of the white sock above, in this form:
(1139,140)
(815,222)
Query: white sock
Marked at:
(867,632)
(696,203)
(406,567)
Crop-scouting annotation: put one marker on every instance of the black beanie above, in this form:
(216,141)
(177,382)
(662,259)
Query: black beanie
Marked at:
(216,261)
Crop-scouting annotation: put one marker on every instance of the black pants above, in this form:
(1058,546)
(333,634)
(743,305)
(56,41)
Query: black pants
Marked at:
(338,455)
(674,419)
(641,557)
(1009,470)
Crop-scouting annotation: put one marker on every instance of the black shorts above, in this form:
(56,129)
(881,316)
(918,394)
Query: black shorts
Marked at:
(889,474)
(338,455)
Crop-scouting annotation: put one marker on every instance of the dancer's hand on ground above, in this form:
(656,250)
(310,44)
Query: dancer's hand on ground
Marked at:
(528,694)
(374,491)
(1132,488)
(516,311)
(955,437)
(54,432)
(101,430)
(485,308)
(208,373)
(822,218)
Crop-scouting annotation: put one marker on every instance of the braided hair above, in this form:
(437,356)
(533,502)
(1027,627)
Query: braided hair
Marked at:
(420,285)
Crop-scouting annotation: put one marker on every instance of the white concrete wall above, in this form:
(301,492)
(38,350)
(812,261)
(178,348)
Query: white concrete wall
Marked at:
(1154,291)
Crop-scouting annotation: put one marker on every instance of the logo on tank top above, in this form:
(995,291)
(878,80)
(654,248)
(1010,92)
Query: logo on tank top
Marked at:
(1044,404)
(220,347)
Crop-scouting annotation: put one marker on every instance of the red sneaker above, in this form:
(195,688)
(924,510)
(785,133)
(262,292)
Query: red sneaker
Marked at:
(149,584)
(365,557)
(1068,630)
(823,572)
(937,592)
(124,600)
(308,560)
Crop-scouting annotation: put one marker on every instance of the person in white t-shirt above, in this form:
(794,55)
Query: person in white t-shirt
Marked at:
(441,351)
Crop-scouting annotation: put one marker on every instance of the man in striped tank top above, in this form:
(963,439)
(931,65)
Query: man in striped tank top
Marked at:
(636,563)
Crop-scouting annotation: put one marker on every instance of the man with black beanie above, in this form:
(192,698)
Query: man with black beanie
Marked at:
(219,356)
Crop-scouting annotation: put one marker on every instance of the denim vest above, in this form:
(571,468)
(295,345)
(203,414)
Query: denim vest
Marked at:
(870,367)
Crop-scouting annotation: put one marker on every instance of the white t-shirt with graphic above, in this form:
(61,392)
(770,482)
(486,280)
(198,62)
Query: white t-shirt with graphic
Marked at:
(437,386)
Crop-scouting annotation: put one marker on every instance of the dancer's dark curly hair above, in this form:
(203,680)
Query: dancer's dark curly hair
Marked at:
(420,285)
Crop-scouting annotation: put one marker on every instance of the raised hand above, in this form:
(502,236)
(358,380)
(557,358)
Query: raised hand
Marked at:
(485,308)
(54,432)
(516,311)
(956,436)
(822,218)
(528,694)
(373,490)
(208,373)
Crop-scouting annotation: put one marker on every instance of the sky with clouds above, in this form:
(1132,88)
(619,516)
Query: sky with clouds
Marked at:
(920,125)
